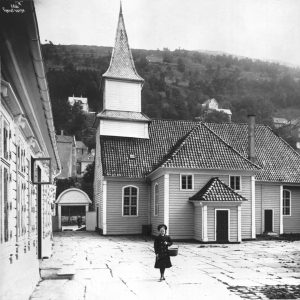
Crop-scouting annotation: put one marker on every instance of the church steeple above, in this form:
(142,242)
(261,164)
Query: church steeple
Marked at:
(122,110)
(121,64)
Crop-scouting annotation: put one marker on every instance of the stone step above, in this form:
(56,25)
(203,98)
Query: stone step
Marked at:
(57,273)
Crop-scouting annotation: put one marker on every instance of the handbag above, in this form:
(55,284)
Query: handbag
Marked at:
(173,250)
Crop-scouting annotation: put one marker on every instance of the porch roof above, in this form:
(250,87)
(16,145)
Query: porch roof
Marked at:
(216,190)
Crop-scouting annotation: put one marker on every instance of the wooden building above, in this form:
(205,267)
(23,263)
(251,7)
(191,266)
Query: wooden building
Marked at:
(28,144)
(205,181)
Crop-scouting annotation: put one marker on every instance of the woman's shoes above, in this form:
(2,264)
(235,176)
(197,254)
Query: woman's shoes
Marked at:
(162,278)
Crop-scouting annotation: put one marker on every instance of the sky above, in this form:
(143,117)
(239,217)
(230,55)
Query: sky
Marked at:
(262,29)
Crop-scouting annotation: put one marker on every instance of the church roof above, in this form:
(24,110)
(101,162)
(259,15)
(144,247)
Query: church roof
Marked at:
(121,64)
(190,144)
(201,148)
(216,190)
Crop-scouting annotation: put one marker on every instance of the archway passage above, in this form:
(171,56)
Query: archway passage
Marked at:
(72,205)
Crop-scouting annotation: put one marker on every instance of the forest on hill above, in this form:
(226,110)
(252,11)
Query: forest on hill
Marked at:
(176,84)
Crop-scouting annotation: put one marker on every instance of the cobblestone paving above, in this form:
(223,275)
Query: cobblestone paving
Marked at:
(268,292)
(110,267)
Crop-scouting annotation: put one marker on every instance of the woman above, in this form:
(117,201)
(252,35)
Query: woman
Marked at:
(161,244)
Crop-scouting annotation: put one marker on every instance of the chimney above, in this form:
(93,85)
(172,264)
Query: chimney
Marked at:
(251,138)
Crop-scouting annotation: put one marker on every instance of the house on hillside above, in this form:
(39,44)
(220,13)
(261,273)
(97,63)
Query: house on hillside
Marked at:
(211,105)
(27,145)
(81,100)
(205,181)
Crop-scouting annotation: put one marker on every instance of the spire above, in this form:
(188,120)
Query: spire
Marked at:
(121,64)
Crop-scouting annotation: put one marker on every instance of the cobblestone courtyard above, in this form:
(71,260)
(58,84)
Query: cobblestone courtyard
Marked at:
(89,266)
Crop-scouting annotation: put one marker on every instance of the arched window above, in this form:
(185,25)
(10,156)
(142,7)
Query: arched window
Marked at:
(130,201)
(156,200)
(286,203)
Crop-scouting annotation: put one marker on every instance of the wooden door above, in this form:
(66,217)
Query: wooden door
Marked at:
(268,220)
(222,226)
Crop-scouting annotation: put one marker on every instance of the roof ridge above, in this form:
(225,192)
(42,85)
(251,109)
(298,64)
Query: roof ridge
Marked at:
(231,147)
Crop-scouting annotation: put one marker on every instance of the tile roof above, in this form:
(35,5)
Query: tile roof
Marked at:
(167,144)
(203,149)
(279,162)
(122,115)
(121,64)
(165,137)
(216,190)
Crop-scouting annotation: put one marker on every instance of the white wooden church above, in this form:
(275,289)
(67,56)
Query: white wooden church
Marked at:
(205,181)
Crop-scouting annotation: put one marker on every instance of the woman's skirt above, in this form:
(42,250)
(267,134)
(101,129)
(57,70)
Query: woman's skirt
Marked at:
(163,262)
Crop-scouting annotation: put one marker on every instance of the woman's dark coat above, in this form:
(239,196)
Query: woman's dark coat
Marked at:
(160,248)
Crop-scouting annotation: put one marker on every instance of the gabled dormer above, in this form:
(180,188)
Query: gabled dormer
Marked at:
(122,86)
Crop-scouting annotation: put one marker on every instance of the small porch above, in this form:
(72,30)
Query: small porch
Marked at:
(217,213)
(72,206)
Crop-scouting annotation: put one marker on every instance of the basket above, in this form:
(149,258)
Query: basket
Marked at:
(173,251)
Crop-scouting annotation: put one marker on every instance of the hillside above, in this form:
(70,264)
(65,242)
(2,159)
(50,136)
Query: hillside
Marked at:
(176,82)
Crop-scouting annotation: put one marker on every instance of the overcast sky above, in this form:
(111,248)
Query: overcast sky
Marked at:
(264,29)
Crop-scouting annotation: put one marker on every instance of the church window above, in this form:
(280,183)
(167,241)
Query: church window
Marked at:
(286,205)
(130,201)
(235,182)
(186,182)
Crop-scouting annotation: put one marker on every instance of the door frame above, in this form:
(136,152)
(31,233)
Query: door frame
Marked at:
(228,219)
(272,219)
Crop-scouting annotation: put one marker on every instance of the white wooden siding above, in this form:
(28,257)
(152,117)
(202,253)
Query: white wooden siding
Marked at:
(198,223)
(291,224)
(246,208)
(124,128)
(159,219)
(258,208)
(124,96)
(182,212)
(270,195)
(181,215)
(118,224)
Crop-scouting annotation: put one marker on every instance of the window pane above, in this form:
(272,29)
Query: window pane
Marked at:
(133,211)
(133,201)
(183,182)
(190,182)
(127,191)
(126,211)
(232,182)
(237,183)
(126,200)
(133,191)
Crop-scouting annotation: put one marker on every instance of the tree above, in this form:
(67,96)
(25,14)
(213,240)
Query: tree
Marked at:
(87,183)
(215,116)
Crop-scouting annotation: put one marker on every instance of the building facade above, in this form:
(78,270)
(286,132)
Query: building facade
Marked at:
(209,182)
(28,144)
